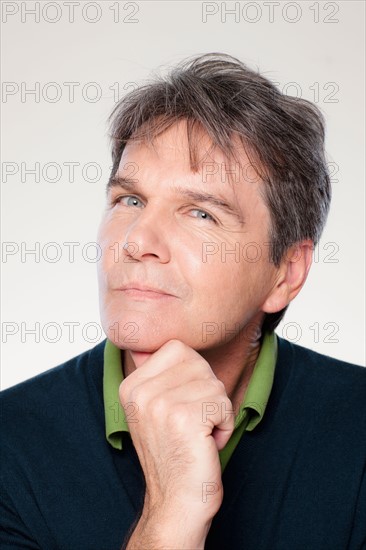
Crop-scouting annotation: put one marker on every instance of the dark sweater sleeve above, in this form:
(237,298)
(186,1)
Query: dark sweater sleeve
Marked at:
(13,532)
(358,535)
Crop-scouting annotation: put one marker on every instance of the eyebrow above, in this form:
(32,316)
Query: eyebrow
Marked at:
(131,185)
(128,184)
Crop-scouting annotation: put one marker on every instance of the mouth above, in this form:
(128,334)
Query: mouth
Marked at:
(138,291)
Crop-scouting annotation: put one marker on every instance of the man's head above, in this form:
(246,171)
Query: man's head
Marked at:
(231,193)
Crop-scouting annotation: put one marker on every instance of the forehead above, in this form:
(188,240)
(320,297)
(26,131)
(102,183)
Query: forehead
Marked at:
(172,154)
(172,147)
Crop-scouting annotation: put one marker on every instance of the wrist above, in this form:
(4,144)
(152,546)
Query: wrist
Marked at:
(158,529)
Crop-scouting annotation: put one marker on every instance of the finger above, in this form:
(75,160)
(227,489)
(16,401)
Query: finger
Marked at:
(143,386)
(197,404)
(171,353)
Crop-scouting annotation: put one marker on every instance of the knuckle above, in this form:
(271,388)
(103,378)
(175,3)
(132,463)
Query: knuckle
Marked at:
(135,395)
(219,386)
(123,390)
(177,417)
(158,407)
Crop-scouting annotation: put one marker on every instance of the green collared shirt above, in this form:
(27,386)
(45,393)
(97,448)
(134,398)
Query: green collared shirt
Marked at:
(250,413)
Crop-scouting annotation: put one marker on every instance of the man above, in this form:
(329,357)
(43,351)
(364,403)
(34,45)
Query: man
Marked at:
(193,425)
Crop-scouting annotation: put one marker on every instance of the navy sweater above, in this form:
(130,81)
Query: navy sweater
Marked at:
(296,482)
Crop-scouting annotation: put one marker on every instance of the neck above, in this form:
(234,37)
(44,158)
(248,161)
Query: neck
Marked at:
(233,363)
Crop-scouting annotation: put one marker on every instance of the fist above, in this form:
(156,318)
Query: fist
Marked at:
(182,418)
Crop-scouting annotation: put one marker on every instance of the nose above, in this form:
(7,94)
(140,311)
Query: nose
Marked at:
(147,238)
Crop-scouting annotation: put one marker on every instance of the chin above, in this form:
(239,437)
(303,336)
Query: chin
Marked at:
(136,334)
(148,331)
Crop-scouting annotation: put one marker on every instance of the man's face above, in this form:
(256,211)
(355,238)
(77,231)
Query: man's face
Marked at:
(198,240)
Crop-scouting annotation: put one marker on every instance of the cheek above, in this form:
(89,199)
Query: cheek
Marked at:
(212,267)
(228,283)
(110,240)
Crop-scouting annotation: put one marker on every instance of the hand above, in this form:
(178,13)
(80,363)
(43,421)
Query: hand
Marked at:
(183,417)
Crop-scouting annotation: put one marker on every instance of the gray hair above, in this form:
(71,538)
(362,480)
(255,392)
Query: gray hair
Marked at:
(283,137)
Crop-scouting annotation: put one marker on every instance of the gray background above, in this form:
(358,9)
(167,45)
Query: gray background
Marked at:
(312,49)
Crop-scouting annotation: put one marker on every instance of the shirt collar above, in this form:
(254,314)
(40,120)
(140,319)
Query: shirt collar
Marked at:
(254,401)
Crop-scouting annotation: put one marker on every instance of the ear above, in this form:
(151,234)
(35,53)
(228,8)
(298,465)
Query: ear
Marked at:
(291,276)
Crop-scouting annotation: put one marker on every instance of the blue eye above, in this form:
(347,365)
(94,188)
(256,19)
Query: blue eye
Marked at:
(129,200)
(202,215)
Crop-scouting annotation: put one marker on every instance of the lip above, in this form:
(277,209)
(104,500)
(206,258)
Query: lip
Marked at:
(138,290)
